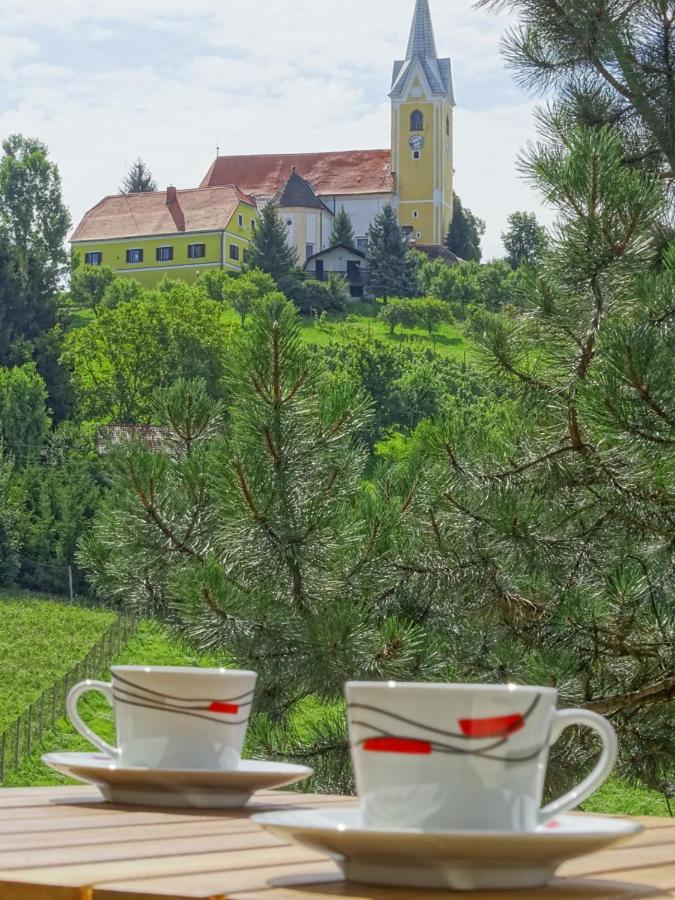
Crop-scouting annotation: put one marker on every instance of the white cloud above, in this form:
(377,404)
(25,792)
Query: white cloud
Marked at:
(283,76)
(14,49)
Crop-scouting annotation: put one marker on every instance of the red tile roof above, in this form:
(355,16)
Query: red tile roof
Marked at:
(144,215)
(339,172)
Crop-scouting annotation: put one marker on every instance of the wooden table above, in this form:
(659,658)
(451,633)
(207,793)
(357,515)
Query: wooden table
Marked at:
(64,844)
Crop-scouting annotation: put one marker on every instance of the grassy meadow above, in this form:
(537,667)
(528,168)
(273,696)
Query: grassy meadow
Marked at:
(40,641)
(360,320)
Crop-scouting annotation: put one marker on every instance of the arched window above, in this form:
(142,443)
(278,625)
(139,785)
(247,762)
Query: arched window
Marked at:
(417,121)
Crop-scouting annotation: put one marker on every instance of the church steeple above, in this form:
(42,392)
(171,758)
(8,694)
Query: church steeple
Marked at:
(421,124)
(422,51)
(422,41)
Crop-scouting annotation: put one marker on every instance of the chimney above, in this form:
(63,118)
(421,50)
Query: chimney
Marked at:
(173,206)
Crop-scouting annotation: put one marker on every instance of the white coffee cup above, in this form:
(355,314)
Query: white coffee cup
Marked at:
(462,757)
(173,718)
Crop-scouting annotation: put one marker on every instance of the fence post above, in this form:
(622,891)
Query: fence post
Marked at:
(17,737)
(42,717)
(29,729)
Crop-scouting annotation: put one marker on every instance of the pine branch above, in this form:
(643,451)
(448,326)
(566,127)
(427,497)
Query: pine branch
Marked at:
(654,693)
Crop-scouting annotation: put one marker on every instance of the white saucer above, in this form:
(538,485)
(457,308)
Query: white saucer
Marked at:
(454,860)
(181,787)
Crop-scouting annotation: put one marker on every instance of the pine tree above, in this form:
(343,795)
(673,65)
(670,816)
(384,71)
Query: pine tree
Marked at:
(553,535)
(525,240)
(269,250)
(391,266)
(138,179)
(608,63)
(343,232)
(465,232)
(257,538)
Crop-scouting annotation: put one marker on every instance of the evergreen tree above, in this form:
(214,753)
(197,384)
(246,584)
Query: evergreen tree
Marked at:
(138,179)
(269,250)
(553,536)
(391,266)
(343,232)
(465,232)
(261,543)
(610,63)
(525,240)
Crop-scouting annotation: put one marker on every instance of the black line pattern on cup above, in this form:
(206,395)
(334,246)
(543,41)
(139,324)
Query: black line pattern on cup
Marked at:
(138,687)
(146,698)
(449,749)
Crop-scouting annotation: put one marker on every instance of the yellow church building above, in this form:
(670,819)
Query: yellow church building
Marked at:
(415,176)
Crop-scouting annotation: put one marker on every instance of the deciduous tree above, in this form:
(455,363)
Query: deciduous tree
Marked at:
(118,360)
(525,240)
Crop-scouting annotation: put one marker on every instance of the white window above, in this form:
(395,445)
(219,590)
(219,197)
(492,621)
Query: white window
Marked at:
(164,254)
(309,250)
(416,213)
(417,154)
(134,257)
(418,234)
(362,244)
(234,251)
(240,219)
(196,251)
(94,258)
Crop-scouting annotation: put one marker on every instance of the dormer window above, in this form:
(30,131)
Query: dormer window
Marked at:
(417,120)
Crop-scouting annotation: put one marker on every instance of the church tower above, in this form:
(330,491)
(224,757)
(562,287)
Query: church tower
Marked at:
(421,124)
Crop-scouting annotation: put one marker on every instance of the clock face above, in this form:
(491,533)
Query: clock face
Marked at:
(417,141)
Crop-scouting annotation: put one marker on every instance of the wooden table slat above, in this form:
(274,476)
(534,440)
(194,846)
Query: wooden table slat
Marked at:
(65,844)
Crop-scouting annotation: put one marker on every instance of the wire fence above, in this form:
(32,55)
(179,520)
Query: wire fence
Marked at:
(23,736)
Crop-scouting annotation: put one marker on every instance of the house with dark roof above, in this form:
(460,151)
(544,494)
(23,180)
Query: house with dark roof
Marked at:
(347,262)
(415,175)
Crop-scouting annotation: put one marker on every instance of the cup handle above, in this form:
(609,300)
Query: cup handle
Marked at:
(565,718)
(71,706)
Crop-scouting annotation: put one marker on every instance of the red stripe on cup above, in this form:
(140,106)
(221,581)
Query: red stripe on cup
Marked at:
(226,708)
(396,745)
(499,726)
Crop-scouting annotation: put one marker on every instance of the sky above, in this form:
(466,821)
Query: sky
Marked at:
(102,82)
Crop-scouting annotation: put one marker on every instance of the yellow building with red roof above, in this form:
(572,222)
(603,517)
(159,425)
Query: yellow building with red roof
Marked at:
(181,233)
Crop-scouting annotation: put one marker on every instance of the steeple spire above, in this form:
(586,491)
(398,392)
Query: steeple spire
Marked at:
(422,41)
(422,53)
